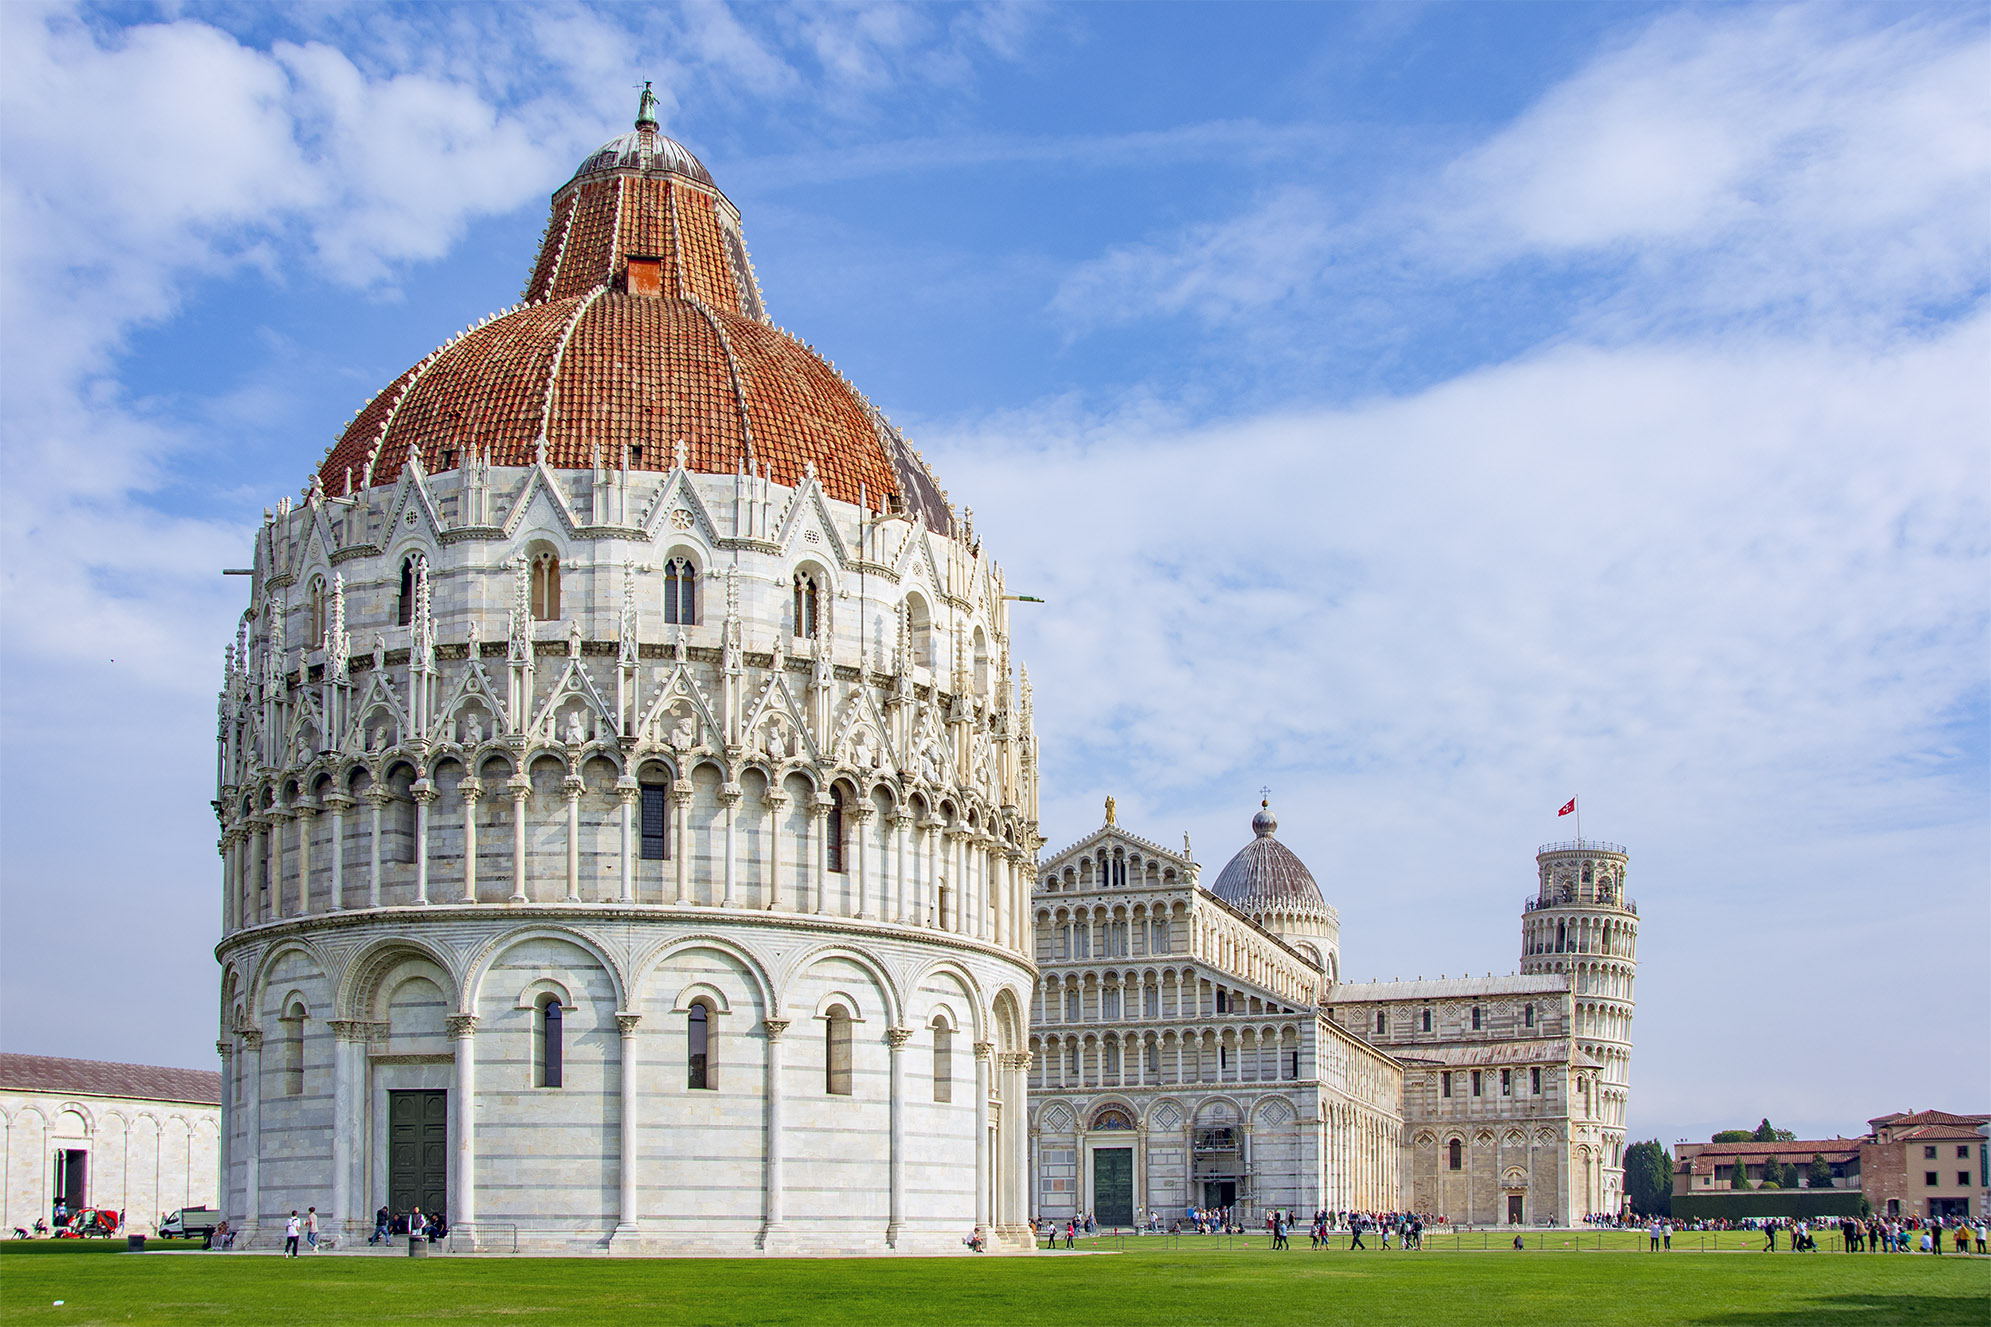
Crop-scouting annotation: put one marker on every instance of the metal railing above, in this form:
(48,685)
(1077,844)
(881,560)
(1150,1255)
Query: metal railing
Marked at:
(1584,845)
(484,1229)
(1535,903)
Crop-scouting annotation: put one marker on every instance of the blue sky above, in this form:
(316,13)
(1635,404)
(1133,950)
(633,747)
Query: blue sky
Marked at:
(1429,411)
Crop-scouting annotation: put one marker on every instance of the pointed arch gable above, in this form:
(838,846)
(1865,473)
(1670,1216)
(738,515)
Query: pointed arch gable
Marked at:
(539,486)
(679,491)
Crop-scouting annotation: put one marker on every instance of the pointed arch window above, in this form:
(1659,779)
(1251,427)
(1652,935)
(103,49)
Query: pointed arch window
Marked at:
(315,614)
(404,605)
(549,1043)
(546,585)
(919,626)
(807,604)
(656,846)
(833,831)
(943,1061)
(680,593)
(698,1075)
(836,1052)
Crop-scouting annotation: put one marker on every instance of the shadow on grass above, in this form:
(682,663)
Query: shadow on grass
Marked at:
(1857,1311)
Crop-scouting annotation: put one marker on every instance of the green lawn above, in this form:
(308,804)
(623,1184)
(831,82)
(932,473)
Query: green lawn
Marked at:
(1151,1284)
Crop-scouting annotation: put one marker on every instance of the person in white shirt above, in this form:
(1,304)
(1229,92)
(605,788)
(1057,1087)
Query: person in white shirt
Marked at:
(291,1229)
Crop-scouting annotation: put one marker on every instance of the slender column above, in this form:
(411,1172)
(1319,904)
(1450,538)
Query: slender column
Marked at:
(863,816)
(985,912)
(462,1030)
(376,799)
(819,817)
(627,791)
(521,788)
(224,1152)
(339,803)
(729,798)
(252,1145)
(348,1124)
(572,786)
(776,1143)
(306,814)
(425,795)
(983,1050)
(776,802)
(259,868)
(626,1167)
(895,1042)
(469,789)
(230,883)
(930,887)
(998,895)
(279,817)
(902,835)
(681,836)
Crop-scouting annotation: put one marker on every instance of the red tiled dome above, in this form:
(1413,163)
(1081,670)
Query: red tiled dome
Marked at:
(642,327)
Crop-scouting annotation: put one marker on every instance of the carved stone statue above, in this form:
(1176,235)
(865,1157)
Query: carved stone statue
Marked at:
(1109,810)
(473,729)
(684,734)
(862,753)
(577,729)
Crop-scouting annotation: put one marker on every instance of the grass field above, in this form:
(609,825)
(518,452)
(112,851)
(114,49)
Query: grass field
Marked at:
(1152,1283)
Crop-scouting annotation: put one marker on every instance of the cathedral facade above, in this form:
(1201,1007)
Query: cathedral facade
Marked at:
(627,806)
(1196,1047)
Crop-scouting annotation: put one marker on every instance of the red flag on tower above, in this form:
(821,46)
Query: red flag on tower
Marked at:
(1567,807)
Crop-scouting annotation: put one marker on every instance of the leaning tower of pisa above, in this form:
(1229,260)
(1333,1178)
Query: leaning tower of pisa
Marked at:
(1583,923)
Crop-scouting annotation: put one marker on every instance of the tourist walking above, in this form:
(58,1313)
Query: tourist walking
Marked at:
(290,1233)
(311,1228)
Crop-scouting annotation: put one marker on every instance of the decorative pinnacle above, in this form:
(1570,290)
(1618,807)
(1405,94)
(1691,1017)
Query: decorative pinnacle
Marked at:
(646,109)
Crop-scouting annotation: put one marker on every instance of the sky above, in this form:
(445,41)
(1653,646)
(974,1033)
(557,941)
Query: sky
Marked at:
(1427,412)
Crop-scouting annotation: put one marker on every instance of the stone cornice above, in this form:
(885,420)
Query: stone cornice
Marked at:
(534,914)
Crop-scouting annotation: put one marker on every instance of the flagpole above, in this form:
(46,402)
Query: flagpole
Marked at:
(1577,801)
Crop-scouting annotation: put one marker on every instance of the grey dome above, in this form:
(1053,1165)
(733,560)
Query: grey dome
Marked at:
(645,150)
(1265,876)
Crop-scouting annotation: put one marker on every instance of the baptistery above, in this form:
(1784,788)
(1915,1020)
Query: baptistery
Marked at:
(627,805)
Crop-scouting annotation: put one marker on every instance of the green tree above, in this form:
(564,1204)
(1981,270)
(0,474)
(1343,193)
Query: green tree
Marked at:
(1649,1178)
(1819,1173)
(1734,1136)
(1764,1133)
(1740,1179)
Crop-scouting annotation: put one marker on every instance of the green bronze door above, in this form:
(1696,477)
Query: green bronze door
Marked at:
(1113,1186)
(418,1151)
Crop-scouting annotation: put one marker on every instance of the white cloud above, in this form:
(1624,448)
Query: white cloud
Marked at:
(141,161)
(1824,167)
(1733,594)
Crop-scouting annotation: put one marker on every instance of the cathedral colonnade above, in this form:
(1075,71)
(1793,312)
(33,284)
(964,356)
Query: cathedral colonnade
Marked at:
(536,1078)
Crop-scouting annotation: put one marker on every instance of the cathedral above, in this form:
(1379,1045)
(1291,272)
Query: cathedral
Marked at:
(1195,1047)
(628,832)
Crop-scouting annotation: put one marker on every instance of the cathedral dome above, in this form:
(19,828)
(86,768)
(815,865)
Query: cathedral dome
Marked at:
(1266,878)
(642,331)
